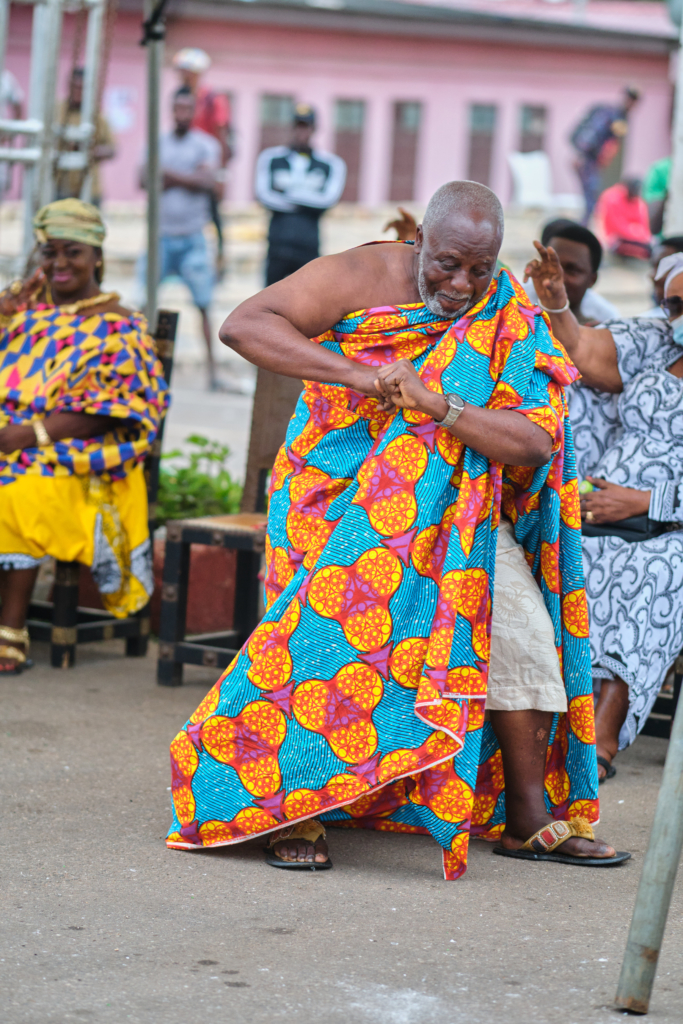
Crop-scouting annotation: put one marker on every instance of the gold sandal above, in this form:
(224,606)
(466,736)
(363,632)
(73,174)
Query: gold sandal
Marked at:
(543,845)
(15,636)
(311,830)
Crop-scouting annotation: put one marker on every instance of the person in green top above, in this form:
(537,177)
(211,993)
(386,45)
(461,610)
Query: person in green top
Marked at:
(655,191)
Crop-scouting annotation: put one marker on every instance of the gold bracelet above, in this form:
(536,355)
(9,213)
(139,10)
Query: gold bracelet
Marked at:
(42,436)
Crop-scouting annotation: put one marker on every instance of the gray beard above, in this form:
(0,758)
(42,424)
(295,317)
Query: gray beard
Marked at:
(431,301)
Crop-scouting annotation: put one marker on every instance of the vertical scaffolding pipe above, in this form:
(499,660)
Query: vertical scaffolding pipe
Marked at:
(4,29)
(656,882)
(91,81)
(36,109)
(673,214)
(155,56)
(50,57)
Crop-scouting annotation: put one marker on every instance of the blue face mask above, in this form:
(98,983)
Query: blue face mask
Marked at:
(677,328)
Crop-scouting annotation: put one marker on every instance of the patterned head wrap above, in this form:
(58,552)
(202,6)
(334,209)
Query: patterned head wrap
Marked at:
(669,267)
(72,220)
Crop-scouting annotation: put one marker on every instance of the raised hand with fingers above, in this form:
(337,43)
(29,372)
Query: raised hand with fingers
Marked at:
(405,226)
(546,273)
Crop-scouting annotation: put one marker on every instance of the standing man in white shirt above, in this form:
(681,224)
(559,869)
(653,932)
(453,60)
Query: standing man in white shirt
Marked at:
(297,184)
(190,160)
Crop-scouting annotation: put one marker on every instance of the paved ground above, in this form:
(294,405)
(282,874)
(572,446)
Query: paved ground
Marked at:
(101,923)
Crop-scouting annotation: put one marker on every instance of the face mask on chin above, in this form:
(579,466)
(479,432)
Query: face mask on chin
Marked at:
(677,329)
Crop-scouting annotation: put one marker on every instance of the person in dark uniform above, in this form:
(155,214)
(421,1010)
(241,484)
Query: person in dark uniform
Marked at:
(297,184)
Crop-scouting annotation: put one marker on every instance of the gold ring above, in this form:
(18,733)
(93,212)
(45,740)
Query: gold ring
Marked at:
(589,516)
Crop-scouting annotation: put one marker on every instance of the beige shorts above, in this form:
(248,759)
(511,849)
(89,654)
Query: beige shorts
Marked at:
(525,670)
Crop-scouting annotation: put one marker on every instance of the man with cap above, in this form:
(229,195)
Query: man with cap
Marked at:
(297,184)
(580,256)
(211,115)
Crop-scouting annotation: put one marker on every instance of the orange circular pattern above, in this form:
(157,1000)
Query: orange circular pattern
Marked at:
(453,802)
(327,592)
(345,787)
(354,743)
(212,832)
(481,642)
(476,715)
(557,785)
(382,569)
(588,809)
(184,803)
(368,630)
(481,335)
(473,592)
(439,649)
(407,455)
(301,802)
(466,681)
(254,819)
(184,754)
(550,567)
(581,718)
(262,777)
(309,703)
(265,719)
(575,613)
(398,762)
(423,550)
(218,738)
(271,669)
(570,505)
(393,515)
(361,683)
(407,661)
(208,705)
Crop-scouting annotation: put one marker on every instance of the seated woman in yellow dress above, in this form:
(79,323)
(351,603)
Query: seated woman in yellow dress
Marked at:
(81,399)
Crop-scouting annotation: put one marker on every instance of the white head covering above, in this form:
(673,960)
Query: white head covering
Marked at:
(192,59)
(669,267)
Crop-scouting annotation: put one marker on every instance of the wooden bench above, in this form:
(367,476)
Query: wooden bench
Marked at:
(244,532)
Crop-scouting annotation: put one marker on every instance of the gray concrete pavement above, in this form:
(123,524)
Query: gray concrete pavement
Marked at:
(101,923)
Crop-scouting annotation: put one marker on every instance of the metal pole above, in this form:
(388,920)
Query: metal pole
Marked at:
(656,882)
(36,111)
(4,29)
(673,217)
(50,58)
(155,54)
(91,78)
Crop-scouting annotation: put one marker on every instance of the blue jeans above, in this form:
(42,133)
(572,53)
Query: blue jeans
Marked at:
(186,257)
(589,176)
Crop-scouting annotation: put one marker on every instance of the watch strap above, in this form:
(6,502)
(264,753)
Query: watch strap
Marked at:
(456,405)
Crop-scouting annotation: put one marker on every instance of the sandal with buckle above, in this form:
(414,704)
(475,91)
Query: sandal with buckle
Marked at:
(14,636)
(543,844)
(311,831)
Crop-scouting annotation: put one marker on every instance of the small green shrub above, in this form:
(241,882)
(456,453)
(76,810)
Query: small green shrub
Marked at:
(203,487)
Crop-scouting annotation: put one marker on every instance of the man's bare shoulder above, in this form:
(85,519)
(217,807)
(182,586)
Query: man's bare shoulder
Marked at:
(321,293)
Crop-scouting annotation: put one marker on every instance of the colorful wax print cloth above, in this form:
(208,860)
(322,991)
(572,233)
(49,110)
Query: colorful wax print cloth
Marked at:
(81,500)
(360,697)
(635,591)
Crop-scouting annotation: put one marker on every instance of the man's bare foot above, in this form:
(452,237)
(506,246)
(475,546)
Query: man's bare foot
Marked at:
(292,850)
(517,833)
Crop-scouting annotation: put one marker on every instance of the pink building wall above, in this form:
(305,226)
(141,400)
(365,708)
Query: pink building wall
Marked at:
(317,66)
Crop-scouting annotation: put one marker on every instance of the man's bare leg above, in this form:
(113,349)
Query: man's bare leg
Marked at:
(16,587)
(206,331)
(610,715)
(523,738)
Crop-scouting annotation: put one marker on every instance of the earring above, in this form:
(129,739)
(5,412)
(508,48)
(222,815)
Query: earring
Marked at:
(99,263)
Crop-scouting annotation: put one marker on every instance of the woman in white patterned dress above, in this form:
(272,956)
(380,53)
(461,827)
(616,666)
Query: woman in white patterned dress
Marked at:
(627,419)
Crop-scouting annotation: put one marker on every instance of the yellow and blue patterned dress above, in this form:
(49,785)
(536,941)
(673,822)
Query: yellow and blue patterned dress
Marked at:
(81,500)
(360,698)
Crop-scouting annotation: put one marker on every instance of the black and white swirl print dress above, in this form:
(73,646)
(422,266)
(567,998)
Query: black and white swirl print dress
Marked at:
(635,591)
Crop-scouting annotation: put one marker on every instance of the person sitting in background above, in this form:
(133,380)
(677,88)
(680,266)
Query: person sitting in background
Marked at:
(69,183)
(81,400)
(623,220)
(211,115)
(627,417)
(667,247)
(189,161)
(580,256)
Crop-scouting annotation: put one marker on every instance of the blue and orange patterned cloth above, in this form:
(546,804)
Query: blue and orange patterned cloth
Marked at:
(360,697)
(81,500)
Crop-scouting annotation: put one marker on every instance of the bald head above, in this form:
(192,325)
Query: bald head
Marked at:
(464,200)
(457,246)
